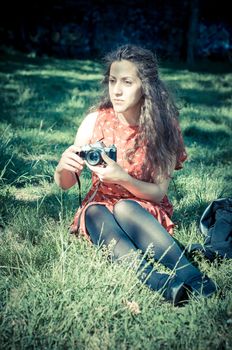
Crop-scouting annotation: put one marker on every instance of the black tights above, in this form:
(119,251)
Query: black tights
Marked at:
(132,227)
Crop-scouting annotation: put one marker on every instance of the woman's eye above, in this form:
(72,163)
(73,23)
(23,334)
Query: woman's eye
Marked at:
(128,82)
(111,81)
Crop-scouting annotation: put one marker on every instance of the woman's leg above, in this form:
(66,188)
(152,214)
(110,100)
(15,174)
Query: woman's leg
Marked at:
(145,231)
(103,229)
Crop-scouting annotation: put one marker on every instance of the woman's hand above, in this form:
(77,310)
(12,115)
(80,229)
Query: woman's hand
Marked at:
(69,165)
(71,161)
(111,173)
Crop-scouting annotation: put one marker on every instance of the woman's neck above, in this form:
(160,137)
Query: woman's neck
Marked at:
(127,120)
(129,117)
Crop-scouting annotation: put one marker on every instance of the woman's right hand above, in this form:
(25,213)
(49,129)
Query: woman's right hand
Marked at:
(71,161)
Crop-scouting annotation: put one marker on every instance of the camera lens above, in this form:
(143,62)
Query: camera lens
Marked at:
(93,157)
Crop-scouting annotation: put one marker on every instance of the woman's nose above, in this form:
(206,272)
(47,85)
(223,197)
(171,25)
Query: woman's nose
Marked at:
(117,89)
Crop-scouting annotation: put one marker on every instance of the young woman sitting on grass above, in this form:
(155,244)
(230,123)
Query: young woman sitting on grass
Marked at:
(127,203)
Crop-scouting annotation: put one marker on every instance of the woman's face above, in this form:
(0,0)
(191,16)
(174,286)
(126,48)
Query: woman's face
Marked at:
(125,87)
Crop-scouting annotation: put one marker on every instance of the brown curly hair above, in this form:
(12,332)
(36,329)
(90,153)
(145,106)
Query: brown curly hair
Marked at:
(158,123)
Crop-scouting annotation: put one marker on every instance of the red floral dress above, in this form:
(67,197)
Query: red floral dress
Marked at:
(110,130)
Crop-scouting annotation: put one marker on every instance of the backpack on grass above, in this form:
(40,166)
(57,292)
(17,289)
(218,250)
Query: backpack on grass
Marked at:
(216,226)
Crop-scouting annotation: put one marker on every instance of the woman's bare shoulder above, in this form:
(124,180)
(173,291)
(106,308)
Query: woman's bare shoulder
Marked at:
(91,117)
(85,130)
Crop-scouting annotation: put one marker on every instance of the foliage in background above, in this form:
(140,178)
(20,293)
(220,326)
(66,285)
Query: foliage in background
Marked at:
(60,292)
(74,29)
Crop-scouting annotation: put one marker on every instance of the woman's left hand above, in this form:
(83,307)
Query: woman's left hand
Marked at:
(111,172)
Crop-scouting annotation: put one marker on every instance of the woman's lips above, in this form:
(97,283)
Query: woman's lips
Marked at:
(118,101)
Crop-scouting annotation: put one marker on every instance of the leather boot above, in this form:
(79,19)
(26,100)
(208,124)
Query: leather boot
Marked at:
(201,286)
(174,290)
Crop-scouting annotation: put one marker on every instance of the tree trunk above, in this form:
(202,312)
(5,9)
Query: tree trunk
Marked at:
(192,31)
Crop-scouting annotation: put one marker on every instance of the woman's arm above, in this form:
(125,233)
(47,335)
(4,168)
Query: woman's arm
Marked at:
(70,163)
(146,190)
(114,173)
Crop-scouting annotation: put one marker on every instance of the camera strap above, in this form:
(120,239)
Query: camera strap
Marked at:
(79,190)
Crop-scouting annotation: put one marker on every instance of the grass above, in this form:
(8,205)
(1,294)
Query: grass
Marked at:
(58,292)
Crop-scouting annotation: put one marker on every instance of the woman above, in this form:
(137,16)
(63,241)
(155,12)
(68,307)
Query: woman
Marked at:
(128,203)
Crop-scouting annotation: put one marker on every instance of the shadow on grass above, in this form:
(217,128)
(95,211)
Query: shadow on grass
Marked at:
(19,172)
(51,206)
(58,98)
(198,97)
(210,147)
(213,158)
(189,214)
(207,138)
(216,119)
(203,67)
(33,88)
(10,63)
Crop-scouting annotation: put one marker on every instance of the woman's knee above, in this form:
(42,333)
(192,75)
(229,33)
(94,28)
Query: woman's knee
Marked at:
(125,208)
(94,210)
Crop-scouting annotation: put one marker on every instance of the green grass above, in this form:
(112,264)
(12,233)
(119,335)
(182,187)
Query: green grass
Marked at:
(59,292)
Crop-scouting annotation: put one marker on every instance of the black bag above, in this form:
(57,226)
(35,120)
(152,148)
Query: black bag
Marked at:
(216,226)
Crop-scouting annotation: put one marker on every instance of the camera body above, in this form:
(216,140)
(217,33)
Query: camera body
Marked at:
(92,153)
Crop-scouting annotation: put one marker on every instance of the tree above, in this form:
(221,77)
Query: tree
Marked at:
(192,31)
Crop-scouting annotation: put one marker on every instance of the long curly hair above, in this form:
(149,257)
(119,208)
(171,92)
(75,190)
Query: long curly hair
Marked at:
(158,123)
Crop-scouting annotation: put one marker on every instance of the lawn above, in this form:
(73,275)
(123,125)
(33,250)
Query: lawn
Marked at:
(59,292)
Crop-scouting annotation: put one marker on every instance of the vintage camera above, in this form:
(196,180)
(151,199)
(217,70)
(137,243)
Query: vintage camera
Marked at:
(92,153)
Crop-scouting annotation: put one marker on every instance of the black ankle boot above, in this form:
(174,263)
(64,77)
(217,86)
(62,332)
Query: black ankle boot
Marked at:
(171,287)
(201,285)
(174,290)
